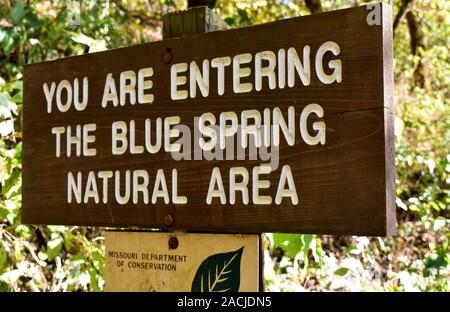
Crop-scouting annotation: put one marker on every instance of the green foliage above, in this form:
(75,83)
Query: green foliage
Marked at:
(57,258)
(423,168)
(298,244)
(341,271)
(47,258)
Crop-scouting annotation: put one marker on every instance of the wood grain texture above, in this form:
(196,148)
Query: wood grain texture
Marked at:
(388,89)
(346,186)
(192,21)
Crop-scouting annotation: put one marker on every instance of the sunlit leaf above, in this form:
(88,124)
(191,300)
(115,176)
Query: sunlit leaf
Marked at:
(18,11)
(3,257)
(341,271)
(291,243)
(54,246)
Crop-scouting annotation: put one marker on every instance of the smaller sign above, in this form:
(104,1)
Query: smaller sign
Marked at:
(156,261)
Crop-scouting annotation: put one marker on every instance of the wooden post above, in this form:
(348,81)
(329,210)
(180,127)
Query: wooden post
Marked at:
(197,19)
(194,20)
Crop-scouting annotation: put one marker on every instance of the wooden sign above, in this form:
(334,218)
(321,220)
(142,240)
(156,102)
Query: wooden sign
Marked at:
(283,127)
(145,261)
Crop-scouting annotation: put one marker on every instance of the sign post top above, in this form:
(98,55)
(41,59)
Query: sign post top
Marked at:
(196,3)
(195,20)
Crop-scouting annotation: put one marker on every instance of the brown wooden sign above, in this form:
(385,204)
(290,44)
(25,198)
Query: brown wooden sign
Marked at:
(283,127)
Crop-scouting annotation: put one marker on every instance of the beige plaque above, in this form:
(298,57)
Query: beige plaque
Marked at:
(143,261)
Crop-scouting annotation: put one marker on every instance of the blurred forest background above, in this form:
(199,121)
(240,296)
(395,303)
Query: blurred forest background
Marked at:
(57,258)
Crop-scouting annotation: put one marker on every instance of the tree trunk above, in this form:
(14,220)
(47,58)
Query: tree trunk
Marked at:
(417,47)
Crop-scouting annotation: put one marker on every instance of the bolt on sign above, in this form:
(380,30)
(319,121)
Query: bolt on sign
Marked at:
(197,263)
(282,127)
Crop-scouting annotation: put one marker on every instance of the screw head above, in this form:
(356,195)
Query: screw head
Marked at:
(168,57)
(169,220)
(173,242)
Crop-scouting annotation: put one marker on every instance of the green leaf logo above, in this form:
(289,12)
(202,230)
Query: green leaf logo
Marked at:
(219,273)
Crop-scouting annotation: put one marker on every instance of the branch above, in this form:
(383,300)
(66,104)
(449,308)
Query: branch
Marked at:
(146,20)
(401,11)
